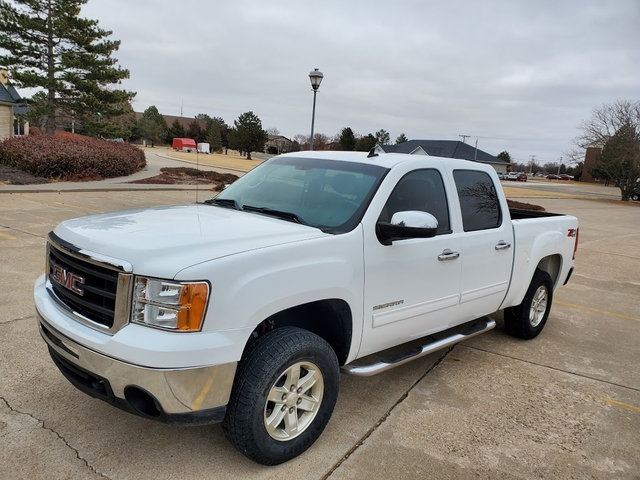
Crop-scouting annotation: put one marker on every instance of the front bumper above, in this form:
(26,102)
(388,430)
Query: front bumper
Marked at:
(188,396)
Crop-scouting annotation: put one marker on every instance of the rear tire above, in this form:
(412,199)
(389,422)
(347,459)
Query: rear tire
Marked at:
(283,395)
(635,197)
(529,318)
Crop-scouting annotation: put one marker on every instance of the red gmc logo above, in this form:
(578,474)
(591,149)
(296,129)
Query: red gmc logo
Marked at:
(68,280)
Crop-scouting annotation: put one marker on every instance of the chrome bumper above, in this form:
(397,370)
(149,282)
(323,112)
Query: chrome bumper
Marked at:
(192,396)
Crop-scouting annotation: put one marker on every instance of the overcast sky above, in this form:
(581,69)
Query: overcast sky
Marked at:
(516,75)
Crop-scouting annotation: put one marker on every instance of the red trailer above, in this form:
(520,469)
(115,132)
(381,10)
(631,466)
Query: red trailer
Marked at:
(184,144)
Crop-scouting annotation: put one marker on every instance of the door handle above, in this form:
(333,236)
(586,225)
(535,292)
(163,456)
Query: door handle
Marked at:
(448,255)
(502,245)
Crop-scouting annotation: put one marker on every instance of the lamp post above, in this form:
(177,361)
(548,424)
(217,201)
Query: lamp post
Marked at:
(316,77)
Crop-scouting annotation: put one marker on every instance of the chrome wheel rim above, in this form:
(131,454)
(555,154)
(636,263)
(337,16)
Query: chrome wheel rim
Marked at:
(538,306)
(293,401)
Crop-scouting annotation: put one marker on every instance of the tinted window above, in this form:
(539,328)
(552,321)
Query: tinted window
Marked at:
(327,194)
(478,200)
(420,190)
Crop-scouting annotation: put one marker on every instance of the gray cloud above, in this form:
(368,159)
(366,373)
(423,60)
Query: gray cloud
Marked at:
(517,75)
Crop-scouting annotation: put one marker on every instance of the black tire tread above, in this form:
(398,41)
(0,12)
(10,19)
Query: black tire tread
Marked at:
(516,319)
(259,366)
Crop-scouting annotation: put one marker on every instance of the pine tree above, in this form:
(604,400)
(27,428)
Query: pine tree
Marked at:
(214,138)
(248,135)
(224,131)
(401,139)
(49,46)
(383,137)
(152,125)
(504,156)
(176,131)
(347,139)
(195,131)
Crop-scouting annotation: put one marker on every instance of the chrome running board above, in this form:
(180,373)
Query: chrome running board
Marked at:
(382,366)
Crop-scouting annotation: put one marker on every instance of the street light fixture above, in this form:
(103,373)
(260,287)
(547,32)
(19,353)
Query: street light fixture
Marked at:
(316,77)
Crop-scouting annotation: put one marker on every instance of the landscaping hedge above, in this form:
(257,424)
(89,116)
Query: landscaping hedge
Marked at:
(72,157)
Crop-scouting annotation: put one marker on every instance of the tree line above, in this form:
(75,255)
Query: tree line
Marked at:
(246,135)
(47,45)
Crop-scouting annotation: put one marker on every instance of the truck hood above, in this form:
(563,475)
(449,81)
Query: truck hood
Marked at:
(161,241)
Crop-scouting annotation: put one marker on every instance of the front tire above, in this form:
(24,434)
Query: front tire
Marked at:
(529,318)
(635,197)
(283,396)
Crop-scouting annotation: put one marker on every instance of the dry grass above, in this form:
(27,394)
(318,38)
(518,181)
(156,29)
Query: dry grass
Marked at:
(533,192)
(232,160)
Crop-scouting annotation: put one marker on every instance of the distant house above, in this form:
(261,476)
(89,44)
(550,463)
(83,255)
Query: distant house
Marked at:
(10,101)
(591,155)
(279,143)
(446,149)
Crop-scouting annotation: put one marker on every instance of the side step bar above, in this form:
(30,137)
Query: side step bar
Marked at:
(415,353)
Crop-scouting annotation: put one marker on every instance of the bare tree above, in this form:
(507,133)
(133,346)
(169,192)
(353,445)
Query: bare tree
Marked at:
(615,128)
(533,167)
(320,141)
(273,131)
(302,141)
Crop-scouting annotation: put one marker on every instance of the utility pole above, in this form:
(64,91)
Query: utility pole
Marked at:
(559,165)
(464,138)
(533,160)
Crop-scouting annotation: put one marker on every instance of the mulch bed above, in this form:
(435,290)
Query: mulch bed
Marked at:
(189,176)
(11,176)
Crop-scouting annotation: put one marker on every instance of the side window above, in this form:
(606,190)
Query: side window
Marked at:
(421,190)
(478,200)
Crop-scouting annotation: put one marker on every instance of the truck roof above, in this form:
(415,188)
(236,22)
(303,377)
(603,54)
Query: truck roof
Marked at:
(387,160)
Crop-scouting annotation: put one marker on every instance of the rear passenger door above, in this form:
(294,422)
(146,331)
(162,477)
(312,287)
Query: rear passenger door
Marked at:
(486,245)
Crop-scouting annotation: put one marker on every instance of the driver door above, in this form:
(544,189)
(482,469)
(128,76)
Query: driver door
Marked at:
(412,287)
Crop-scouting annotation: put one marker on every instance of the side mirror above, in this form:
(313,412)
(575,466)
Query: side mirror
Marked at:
(404,225)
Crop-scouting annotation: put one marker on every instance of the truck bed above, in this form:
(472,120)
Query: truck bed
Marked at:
(521,214)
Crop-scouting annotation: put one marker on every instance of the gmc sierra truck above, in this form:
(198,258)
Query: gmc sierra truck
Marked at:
(245,309)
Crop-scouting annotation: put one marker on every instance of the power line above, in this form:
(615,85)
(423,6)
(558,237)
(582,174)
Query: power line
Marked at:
(464,138)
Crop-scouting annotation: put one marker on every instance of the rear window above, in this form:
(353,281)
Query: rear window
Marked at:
(478,200)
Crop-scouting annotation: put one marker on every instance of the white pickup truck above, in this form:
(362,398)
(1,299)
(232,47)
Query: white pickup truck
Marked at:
(244,309)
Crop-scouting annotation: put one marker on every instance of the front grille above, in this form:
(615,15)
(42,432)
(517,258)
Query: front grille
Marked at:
(94,288)
(89,290)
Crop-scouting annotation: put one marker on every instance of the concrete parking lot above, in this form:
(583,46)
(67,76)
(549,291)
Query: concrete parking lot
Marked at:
(564,405)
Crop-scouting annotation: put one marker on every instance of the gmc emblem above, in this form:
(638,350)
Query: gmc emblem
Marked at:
(68,280)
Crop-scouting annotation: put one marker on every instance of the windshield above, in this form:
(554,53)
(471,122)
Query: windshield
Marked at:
(326,194)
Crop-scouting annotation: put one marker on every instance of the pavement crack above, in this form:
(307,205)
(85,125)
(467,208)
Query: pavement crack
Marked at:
(13,320)
(43,426)
(386,415)
(553,368)
(23,231)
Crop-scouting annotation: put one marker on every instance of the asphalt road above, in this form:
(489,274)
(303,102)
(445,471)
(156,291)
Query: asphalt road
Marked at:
(565,405)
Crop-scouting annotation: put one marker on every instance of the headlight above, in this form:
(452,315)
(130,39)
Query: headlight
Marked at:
(170,305)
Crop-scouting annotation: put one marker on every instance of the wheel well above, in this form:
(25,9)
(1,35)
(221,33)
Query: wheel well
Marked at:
(330,319)
(551,265)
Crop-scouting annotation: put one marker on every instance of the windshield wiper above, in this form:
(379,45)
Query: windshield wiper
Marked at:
(290,216)
(223,202)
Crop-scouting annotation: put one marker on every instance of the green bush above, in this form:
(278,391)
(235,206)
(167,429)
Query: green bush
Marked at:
(71,157)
